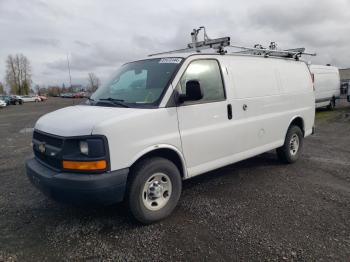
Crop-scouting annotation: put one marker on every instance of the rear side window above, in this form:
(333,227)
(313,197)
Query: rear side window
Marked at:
(207,72)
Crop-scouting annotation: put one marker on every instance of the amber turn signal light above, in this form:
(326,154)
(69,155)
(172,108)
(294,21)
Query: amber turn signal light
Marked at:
(88,165)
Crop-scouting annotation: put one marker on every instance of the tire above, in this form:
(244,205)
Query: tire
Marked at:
(331,105)
(289,153)
(146,177)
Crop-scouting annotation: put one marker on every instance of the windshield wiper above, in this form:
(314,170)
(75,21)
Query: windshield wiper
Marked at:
(114,101)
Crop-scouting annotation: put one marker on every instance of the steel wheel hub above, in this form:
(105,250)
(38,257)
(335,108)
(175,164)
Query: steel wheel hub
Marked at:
(156,191)
(294,145)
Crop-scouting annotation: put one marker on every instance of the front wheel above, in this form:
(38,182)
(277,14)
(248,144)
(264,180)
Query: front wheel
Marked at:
(290,151)
(154,190)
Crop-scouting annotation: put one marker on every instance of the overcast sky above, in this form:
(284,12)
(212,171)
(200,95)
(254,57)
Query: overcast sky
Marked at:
(101,35)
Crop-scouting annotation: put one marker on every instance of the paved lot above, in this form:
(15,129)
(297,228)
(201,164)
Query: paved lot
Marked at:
(257,209)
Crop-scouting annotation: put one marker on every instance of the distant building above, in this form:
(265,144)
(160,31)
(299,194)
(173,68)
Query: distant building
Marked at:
(344,74)
(78,88)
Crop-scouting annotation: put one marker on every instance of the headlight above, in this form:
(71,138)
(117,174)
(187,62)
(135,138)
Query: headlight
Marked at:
(84,147)
(86,153)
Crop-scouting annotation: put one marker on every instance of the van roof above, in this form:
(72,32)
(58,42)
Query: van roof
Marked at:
(324,67)
(188,54)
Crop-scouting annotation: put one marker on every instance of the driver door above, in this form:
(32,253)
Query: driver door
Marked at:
(204,125)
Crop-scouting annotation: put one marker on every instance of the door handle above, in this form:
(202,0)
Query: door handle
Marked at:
(229,111)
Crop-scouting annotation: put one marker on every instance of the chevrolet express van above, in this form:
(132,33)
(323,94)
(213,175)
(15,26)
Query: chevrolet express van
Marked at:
(167,118)
(327,85)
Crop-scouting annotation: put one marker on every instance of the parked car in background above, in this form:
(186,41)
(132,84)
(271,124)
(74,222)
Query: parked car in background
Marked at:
(29,98)
(2,103)
(67,95)
(79,95)
(7,100)
(17,100)
(43,98)
(327,85)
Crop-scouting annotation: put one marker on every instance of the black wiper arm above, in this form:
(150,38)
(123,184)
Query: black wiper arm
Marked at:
(114,101)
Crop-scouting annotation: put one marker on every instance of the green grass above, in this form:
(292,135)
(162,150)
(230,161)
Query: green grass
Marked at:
(325,115)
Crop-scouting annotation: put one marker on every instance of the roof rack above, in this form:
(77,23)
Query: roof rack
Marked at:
(272,50)
(218,45)
(196,46)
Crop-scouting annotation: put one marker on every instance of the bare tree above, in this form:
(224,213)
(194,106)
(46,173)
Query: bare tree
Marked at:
(94,82)
(2,89)
(18,74)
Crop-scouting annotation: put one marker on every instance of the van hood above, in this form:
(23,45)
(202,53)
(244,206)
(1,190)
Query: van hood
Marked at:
(80,120)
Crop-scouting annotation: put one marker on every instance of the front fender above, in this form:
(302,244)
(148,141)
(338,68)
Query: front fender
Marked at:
(157,147)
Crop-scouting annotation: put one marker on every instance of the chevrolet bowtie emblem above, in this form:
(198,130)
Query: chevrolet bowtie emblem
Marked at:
(42,148)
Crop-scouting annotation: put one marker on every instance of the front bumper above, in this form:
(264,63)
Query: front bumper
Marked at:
(106,188)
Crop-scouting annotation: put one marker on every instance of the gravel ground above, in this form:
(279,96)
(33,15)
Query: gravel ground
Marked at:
(257,209)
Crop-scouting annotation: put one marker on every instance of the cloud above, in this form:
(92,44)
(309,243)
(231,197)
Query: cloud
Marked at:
(299,16)
(101,35)
(41,41)
(81,43)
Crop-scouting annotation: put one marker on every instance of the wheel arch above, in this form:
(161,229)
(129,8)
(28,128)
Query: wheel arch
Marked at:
(169,152)
(298,121)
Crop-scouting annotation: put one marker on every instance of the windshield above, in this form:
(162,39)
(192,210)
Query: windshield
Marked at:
(138,83)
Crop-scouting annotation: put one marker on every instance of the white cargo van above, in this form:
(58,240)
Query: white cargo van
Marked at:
(168,118)
(327,85)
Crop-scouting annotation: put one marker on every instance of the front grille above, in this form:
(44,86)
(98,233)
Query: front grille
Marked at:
(50,161)
(53,145)
(48,139)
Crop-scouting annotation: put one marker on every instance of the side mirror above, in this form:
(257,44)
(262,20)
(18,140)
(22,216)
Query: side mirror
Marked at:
(193,92)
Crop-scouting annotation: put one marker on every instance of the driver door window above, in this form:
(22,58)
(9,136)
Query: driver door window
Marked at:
(207,72)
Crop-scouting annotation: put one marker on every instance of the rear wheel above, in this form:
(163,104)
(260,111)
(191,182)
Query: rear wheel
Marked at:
(290,151)
(331,105)
(154,189)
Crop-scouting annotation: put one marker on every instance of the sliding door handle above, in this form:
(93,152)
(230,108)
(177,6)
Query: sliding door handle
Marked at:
(229,111)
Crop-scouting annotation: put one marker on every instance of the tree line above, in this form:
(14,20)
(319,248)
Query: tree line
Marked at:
(18,79)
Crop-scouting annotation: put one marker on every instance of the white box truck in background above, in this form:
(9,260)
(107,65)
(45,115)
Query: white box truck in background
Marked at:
(327,85)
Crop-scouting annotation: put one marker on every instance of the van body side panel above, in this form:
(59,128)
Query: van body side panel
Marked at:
(297,93)
(266,95)
(256,88)
(275,91)
(131,136)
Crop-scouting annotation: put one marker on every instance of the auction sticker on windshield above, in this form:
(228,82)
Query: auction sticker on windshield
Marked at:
(170,61)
